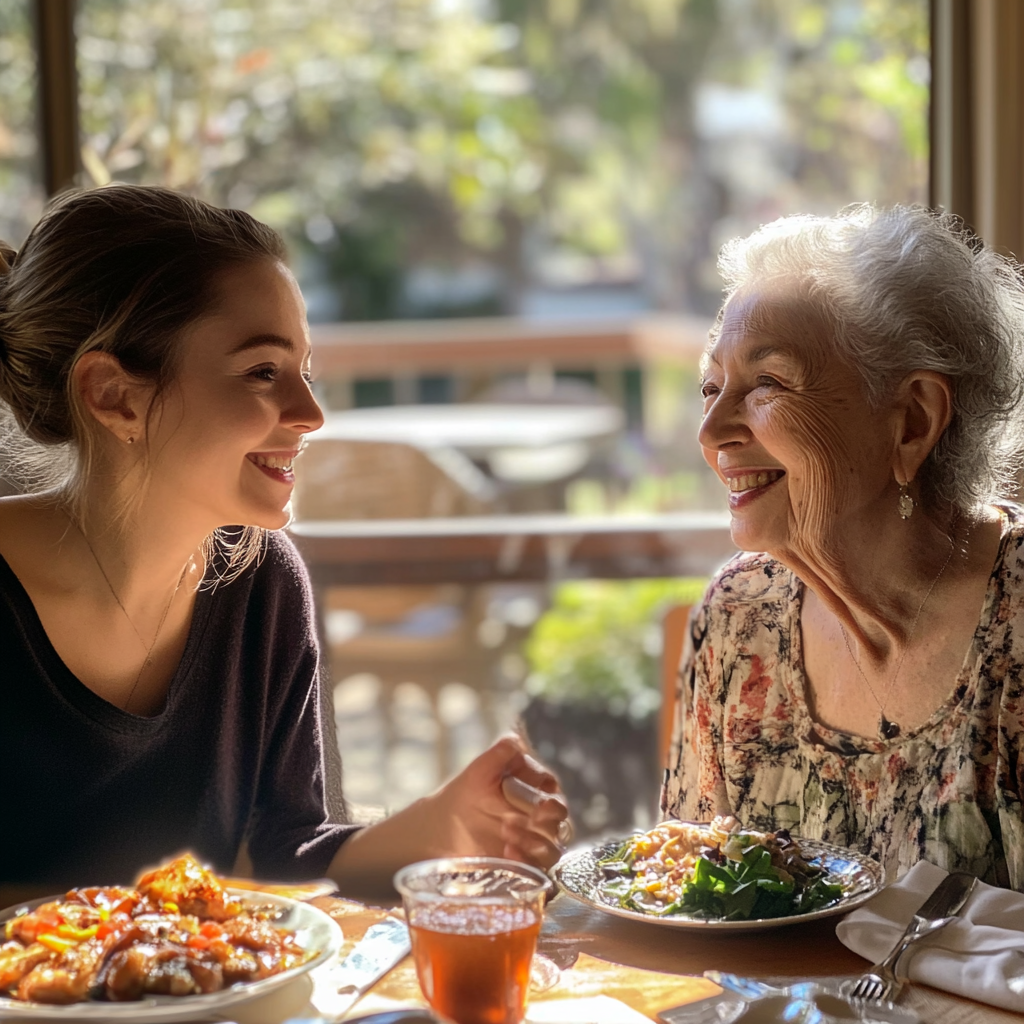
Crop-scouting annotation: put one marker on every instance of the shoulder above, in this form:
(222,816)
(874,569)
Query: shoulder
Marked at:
(276,576)
(749,578)
(282,561)
(746,606)
(1012,516)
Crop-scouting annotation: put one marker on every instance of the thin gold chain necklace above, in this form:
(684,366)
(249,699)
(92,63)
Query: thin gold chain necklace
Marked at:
(888,730)
(148,660)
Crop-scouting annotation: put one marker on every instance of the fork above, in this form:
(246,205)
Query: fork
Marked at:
(882,981)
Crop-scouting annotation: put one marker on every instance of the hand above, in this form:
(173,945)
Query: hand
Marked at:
(503,804)
(469,816)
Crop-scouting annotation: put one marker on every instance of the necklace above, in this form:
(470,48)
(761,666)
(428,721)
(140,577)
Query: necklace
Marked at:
(148,660)
(890,730)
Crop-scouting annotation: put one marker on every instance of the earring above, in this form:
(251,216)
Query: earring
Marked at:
(131,440)
(905,504)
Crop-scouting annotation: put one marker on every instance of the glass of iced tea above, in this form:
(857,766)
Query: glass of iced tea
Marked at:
(474,924)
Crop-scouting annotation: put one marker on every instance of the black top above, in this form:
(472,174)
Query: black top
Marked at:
(244,746)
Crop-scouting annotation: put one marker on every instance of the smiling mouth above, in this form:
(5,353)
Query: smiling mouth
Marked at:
(274,461)
(749,482)
(278,467)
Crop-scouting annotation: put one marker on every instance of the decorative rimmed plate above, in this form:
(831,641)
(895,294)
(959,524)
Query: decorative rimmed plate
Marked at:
(314,930)
(580,875)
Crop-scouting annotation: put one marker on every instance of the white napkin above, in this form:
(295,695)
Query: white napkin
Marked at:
(980,955)
(588,1010)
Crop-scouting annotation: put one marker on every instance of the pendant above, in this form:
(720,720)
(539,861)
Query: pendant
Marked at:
(887,730)
(905,506)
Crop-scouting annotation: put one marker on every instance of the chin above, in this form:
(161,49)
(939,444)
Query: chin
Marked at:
(264,518)
(749,537)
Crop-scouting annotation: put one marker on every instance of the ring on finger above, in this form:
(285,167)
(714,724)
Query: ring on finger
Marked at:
(564,833)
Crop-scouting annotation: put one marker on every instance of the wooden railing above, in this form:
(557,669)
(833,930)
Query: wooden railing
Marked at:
(488,549)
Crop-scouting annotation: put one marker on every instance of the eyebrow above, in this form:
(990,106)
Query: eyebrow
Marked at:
(766,350)
(755,355)
(262,340)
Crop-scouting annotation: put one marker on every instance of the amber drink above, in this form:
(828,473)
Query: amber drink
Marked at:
(474,924)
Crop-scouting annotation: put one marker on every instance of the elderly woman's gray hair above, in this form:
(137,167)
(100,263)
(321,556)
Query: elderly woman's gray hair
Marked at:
(905,289)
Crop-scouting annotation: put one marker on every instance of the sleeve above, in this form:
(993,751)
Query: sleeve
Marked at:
(694,785)
(300,819)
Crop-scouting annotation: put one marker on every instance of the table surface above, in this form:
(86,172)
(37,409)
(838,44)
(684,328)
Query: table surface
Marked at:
(652,968)
(472,428)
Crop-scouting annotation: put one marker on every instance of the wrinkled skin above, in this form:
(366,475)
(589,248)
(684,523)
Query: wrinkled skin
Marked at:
(777,397)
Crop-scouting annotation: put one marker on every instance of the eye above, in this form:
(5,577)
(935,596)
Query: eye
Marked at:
(267,372)
(707,389)
(307,377)
(766,381)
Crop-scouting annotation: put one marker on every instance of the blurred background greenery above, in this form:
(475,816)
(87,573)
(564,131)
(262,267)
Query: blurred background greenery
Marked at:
(430,158)
(600,643)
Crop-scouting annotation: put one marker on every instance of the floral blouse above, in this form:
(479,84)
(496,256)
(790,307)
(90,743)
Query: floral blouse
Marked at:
(745,743)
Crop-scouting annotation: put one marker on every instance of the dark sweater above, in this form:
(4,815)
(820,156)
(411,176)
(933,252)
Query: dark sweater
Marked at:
(244,746)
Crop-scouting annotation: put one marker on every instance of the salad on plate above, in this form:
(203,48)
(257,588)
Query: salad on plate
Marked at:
(716,871)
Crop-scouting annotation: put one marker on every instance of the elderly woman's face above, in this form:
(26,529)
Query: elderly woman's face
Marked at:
(787,429)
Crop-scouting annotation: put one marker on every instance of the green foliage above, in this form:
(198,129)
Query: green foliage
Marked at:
(600,642)
(21,192)
(443,133)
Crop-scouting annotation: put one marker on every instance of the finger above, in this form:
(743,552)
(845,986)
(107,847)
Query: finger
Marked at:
(542,807)
(530,847)
(531,771)
(531,830)
(501,758)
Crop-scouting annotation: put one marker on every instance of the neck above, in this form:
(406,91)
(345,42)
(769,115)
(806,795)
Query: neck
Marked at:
(875,577)
(146,557)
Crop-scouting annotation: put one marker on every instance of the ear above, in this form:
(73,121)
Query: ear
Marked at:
(924,409)
(115,399)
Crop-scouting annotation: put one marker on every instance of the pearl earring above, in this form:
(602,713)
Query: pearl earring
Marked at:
(905,504)
(129,440)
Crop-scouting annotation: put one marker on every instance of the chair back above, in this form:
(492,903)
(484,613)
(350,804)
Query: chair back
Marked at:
(673,627)
(341,479)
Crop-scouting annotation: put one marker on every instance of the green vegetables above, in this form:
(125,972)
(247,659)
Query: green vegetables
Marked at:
(746,888)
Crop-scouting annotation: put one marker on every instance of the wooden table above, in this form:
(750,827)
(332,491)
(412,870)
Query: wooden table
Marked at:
(647,967)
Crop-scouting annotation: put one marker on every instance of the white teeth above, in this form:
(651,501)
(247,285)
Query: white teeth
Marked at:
(748,481)
(274,461)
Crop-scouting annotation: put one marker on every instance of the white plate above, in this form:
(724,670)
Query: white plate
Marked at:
(313,930)
(580,875)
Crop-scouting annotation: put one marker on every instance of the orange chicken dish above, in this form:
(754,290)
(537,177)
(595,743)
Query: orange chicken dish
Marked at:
(177,933)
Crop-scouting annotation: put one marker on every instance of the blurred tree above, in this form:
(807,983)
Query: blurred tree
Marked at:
(555,140)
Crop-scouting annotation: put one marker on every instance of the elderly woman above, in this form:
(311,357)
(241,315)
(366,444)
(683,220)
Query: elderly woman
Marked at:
(856,673)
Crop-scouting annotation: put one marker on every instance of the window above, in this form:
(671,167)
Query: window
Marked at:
(21,188)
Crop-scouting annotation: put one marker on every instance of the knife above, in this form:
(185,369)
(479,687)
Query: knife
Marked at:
(339,985)
(944,904)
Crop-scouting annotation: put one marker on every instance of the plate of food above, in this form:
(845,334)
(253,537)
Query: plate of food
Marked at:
(719,875)
(178,946)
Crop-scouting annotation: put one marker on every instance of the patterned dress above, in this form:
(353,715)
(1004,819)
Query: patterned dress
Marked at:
(745,744)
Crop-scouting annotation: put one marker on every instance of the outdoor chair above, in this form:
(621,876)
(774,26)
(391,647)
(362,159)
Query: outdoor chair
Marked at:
(427,635)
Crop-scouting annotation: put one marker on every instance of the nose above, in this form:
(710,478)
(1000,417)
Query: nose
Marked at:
(302,412)
(724,425)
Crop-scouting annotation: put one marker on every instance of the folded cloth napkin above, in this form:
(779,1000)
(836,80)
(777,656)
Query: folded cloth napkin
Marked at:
(980,955)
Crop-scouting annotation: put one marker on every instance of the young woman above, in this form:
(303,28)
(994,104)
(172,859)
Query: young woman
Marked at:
(161,683)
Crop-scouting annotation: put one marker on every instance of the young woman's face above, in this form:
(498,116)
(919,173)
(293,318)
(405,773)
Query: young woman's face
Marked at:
(223,437)
(789,431)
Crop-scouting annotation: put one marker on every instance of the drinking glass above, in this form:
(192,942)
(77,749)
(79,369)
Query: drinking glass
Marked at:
(474,924)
